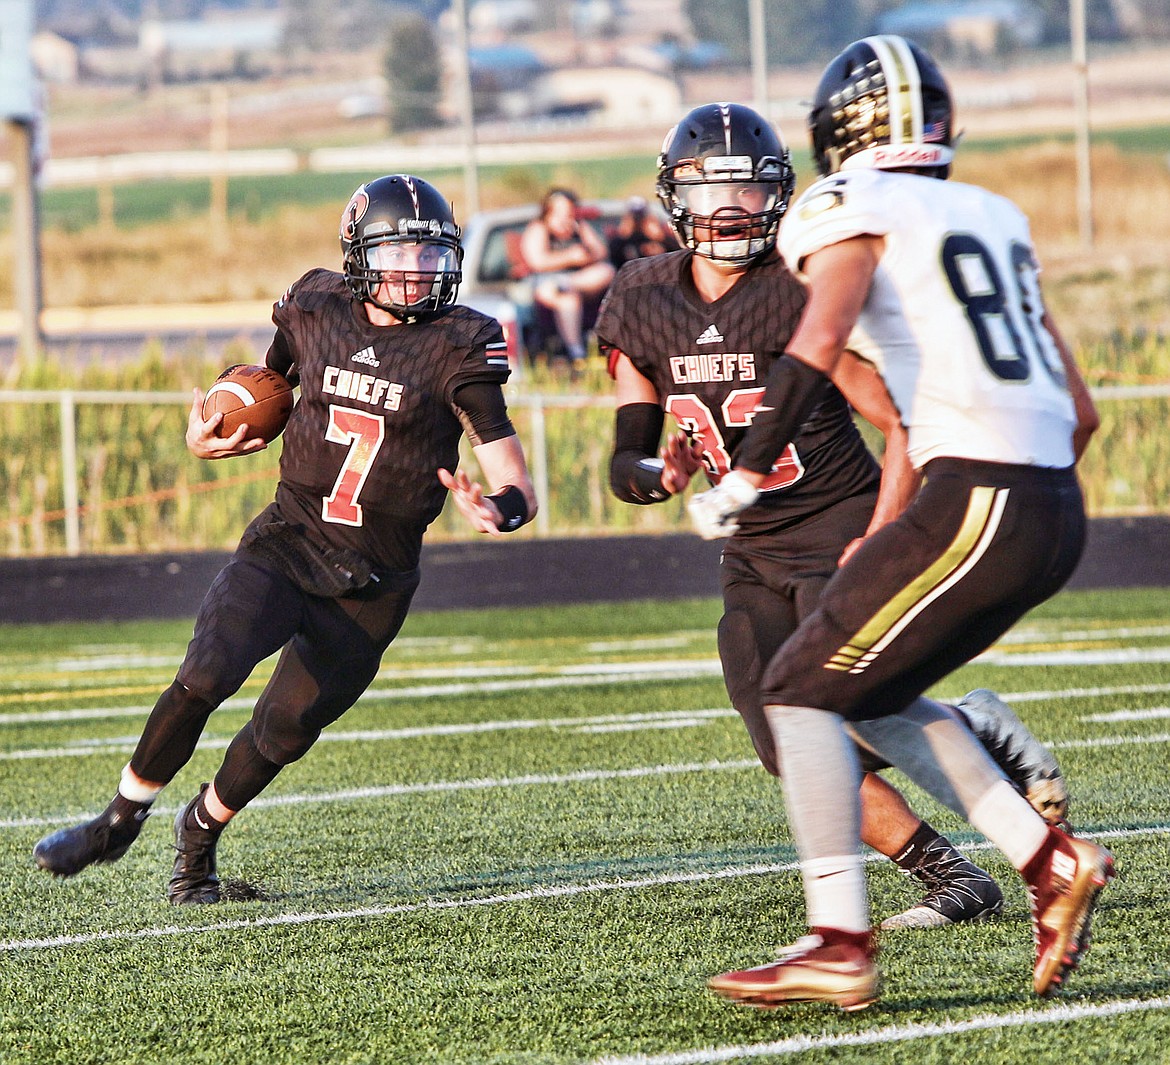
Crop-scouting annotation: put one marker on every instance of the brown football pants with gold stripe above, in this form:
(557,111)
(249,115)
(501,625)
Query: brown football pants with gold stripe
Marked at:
(981,545)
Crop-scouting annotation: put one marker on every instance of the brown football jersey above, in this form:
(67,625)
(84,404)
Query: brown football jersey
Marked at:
(376,416)
(709,363)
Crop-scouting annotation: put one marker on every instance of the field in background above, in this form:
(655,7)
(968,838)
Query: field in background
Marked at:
(141,491)
(531,842)
(151,243)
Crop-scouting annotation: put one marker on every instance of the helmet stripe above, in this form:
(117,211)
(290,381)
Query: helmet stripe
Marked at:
(903,88)
(408,181)
(725,114)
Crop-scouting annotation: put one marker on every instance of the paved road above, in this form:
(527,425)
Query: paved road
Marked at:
(104,333)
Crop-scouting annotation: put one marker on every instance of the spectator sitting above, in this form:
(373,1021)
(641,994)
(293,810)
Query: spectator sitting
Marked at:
(639,234)
(570,266)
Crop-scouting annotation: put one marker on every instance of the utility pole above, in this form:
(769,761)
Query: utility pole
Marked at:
(466,110)
(26,233)
(759,51)
(1080,57)
(20,111)
(218,198)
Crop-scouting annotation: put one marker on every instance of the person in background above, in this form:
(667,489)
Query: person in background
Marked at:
(392,374)
(570,267)
(639,234)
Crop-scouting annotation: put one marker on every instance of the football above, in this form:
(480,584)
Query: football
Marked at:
(252,394)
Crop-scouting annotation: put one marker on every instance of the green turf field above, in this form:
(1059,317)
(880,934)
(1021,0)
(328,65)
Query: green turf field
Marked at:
(531,842)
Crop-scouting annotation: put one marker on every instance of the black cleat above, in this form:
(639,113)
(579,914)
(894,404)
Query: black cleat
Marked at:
(958,891)
(193,880)
(104,839)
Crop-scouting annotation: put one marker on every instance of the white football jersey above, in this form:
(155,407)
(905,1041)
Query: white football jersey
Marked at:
(953,318)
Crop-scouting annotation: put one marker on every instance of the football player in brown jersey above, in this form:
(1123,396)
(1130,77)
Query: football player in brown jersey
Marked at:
(692,334)
(392,373)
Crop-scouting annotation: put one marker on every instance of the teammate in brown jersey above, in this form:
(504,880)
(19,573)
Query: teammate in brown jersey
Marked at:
(693,334)
(392,373)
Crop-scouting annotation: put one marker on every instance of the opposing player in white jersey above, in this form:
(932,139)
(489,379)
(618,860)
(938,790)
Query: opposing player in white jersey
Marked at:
(936,284)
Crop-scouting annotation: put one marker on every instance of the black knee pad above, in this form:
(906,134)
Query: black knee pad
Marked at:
(739,652)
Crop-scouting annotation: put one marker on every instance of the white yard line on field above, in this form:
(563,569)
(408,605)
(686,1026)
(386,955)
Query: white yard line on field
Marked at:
(551,891)
(441,786)
(1151,713)
(599,723)
(432,787)
(567,677)
(693,668)
(899,1033)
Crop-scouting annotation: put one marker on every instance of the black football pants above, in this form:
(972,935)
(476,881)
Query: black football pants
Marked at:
(330,652)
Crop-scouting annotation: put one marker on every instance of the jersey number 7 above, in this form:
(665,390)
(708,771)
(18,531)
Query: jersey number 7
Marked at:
(363,433)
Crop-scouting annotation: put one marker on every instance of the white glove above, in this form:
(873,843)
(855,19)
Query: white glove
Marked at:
(713,512)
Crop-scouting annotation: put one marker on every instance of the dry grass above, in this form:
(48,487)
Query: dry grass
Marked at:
(1122,283)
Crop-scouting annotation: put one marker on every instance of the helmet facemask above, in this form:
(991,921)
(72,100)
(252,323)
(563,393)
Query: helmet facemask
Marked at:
(409,277)
(400,247)
(726,208)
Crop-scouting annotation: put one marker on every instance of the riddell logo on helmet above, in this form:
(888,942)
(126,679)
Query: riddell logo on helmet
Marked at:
(908,155)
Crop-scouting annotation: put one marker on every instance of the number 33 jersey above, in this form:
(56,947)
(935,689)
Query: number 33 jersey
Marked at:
(708,363)
(376,418)
(954,318)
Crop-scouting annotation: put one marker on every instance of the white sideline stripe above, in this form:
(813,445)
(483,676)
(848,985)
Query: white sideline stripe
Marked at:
(1084,693)
(667,719)
(895,1034)
(700,668)
(1120,656)
(1027,634)
(571,677)
(432,787)
(600,723)
(530,895)
(525,781)
(1152,713)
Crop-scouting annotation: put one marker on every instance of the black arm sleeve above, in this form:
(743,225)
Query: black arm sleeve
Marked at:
(280,358)
(635,471)
(791,394)
(483,411)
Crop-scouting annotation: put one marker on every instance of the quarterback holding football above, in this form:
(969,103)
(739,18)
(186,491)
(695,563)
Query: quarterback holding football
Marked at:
(392,373)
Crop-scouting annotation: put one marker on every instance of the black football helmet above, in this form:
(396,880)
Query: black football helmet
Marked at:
(399,238)
(725,178)
(882,103)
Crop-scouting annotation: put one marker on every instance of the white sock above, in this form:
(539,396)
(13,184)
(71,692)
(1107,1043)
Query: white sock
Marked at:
(835,892)
(821,778)
(130,787)
(1006,818)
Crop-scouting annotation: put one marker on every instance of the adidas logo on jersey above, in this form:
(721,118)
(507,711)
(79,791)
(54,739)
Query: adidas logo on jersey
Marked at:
(710,335)
(366,355)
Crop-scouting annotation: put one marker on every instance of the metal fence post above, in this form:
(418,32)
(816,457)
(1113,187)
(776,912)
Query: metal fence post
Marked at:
(540,464)
(68,409)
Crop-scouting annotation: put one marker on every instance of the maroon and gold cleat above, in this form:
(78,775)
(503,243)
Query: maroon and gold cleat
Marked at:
(828,965)
(1064,879)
